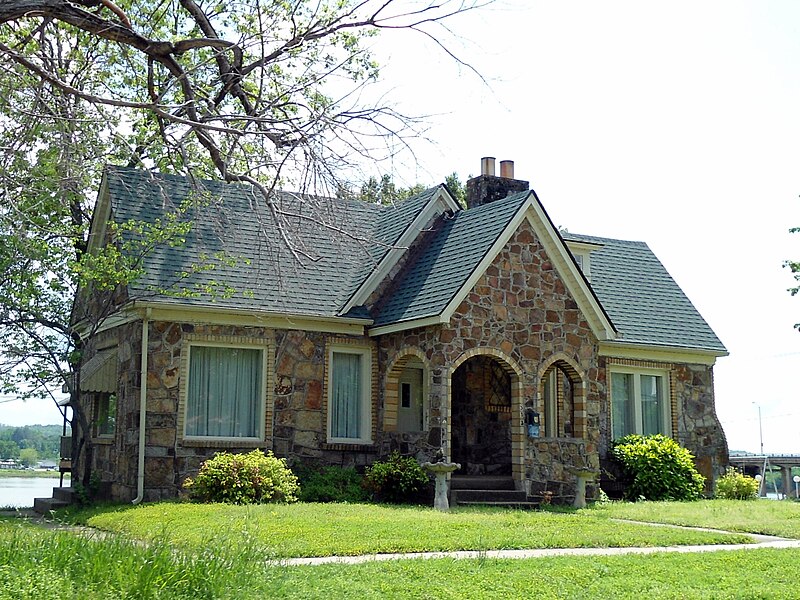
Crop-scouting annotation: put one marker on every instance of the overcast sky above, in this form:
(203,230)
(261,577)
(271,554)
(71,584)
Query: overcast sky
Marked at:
(675,123)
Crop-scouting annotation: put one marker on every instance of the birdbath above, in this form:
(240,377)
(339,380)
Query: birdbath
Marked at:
(584,476)
(440,471)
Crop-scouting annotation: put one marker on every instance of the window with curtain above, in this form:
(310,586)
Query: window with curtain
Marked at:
(349,396)
(637,404)
(224,396)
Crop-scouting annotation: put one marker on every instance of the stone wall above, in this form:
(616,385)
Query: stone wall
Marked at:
(694,420)
(699,428)
(519,312)
(548,463)
(296,426)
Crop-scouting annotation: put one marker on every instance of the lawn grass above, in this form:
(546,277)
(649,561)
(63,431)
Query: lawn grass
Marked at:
(769,517)
(32,474)
(308,529)
(57,565)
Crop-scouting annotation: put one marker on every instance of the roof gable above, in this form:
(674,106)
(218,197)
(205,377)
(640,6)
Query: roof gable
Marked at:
(438,280)
(647,305)
(337,243)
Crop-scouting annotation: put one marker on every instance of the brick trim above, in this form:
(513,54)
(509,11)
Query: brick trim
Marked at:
(391,386)
(267,345)
(363,344)
(669,368)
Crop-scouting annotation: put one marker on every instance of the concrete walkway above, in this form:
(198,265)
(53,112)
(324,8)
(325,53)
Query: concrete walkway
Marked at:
(539,553)
(760,541)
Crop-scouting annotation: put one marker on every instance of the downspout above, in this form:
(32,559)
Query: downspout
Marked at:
(142,407)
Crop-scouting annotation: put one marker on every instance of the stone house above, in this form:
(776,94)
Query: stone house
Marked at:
(412,327)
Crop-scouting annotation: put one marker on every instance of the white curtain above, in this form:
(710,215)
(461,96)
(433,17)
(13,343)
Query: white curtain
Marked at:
(346,395)
(622,414)
(652,415)
(224,390)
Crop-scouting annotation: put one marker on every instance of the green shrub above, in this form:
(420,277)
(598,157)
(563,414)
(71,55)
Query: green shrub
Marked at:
(399,479)
(330,484)
(736,486)
(659,468)
(252,478)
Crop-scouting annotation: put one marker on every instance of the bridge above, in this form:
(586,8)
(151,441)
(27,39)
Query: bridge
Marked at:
(754,464)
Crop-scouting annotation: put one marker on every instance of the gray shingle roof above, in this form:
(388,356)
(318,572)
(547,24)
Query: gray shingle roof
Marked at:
(645,303)
(337,243)
(441,268)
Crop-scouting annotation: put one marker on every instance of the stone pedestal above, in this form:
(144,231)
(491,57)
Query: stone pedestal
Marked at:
(440,471)
(583,477)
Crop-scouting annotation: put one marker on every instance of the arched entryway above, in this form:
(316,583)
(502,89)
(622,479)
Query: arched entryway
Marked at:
(484,400)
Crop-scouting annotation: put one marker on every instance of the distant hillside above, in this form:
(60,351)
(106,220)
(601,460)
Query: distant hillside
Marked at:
(45,439)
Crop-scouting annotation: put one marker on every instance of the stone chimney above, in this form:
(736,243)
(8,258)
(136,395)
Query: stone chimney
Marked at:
(488,187)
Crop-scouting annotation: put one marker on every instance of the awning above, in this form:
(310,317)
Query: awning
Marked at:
(99,373)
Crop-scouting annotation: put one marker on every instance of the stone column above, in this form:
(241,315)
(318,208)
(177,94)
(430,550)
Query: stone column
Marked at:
(786,478)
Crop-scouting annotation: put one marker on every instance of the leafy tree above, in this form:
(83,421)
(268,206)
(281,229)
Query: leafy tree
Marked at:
(245,92)
(8,449)
(28,457)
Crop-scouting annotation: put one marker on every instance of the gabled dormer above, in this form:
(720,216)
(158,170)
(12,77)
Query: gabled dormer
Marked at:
(582,253)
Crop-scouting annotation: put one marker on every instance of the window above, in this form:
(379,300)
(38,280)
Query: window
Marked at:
(639,403)
(349,395)
(105,417)
(225,392)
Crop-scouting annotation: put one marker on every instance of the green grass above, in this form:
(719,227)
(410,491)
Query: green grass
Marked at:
(26,474)
(38,564)
(308,529)
(768,517)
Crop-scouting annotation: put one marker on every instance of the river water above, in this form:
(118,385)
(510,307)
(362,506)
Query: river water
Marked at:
(19,492)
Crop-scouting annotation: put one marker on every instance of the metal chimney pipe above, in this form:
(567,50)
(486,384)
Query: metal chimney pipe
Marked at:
(507,169)
(487,165)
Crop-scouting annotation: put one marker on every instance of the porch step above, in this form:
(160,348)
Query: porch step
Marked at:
(481,482)
(487,490)
(527,505)
(484,496)
(62,497)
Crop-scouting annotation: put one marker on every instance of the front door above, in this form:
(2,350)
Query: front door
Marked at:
(410,410)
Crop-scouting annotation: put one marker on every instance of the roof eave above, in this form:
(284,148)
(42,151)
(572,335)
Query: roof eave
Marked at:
(661,352)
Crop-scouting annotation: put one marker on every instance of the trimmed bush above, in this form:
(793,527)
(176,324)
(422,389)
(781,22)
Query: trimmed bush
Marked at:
(736,486)
(252,478)
(330,484)
(659,468)
(398,479)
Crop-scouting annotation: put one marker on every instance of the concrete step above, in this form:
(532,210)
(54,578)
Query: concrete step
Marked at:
(489,496)
(66,494)
(527,505)
(45,505)
(481,482)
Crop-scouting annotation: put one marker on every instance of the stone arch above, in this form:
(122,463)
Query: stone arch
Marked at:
(391,387)
(578,383)
(515,373)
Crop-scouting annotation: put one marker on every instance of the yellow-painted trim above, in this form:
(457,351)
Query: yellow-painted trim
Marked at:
(267,349)
(182,313)
(404,325)
(662,354)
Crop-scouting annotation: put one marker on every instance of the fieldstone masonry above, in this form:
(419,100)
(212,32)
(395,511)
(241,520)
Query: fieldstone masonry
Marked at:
(519,314)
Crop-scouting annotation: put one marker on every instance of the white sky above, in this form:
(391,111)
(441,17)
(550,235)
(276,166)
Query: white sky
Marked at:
(673,123)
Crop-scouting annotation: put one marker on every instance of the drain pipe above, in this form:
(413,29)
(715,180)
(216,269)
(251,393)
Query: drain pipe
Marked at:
(142,407)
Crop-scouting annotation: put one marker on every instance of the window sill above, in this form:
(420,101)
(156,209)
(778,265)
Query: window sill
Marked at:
(106,440)
(350,446)
(222,443)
